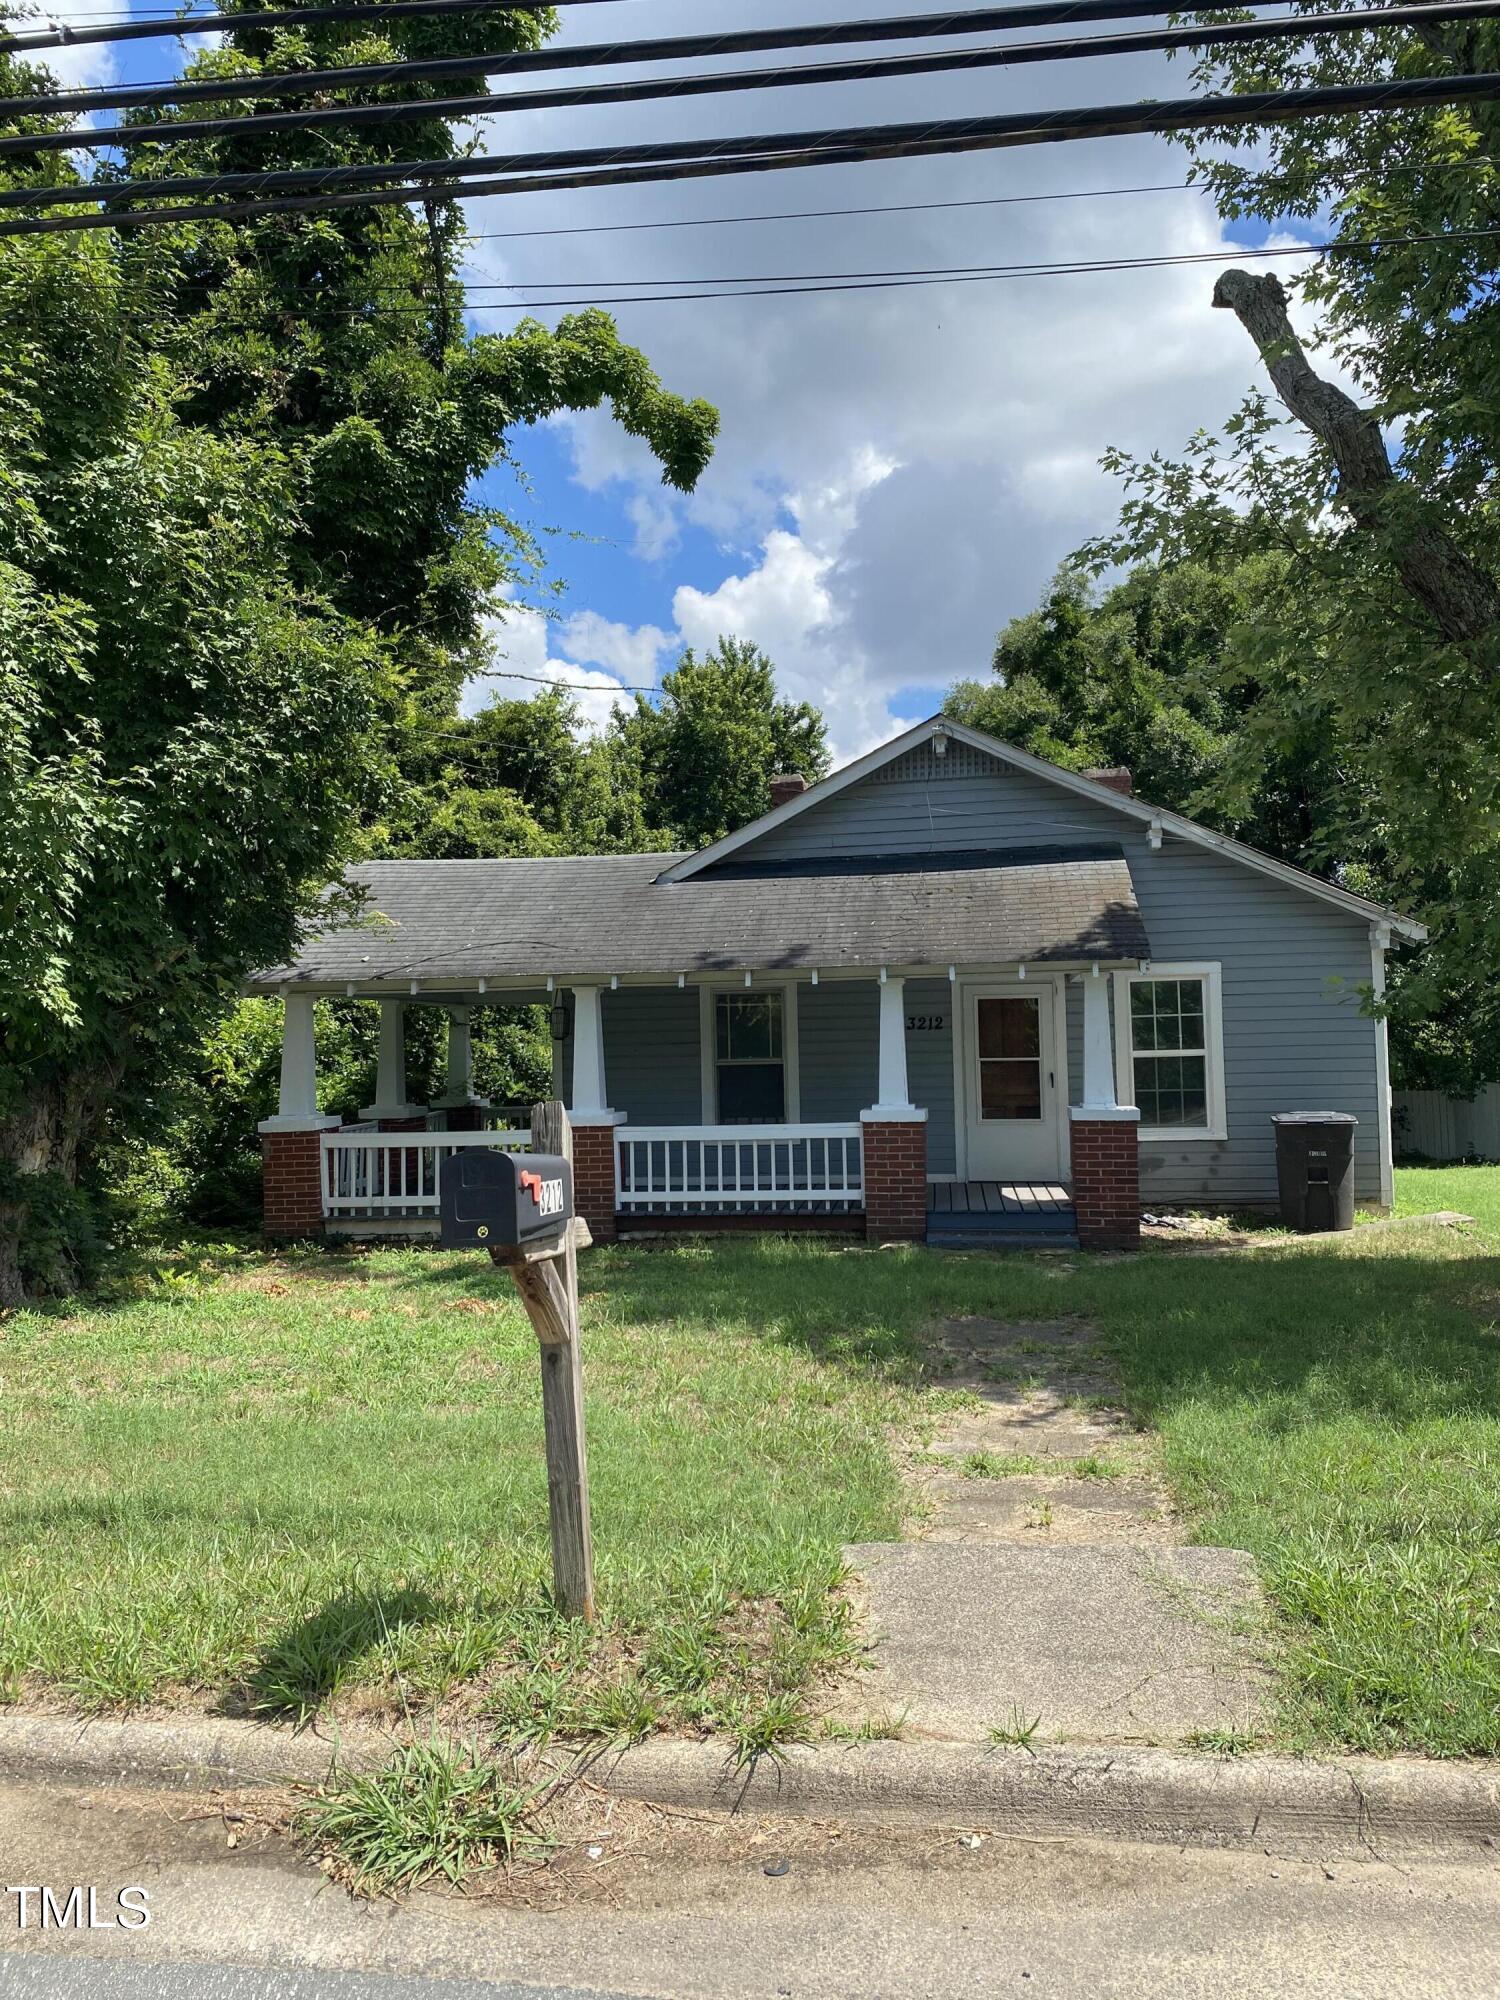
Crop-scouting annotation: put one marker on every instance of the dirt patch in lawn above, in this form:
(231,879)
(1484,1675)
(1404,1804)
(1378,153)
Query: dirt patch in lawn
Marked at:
(1043,1453)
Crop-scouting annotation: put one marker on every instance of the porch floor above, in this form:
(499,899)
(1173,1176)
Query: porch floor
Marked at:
(1013,1212)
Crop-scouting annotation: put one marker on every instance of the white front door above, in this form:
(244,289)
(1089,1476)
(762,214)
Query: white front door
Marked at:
(1010,1086)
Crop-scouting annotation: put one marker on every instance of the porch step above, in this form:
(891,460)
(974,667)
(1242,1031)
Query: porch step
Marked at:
(997,1239)
(1001,1215)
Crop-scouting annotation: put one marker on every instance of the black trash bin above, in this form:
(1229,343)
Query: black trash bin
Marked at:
(1315,1169)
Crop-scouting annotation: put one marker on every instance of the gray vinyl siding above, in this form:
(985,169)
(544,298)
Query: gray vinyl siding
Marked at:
(838,1049)
(1294,1036)
(956,806)
(651,1056)
(929,1066)
(651,1063)
(1292,967)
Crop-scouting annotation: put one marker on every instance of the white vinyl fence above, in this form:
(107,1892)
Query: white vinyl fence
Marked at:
(739,1169)
(394,1175)
(1448,1128)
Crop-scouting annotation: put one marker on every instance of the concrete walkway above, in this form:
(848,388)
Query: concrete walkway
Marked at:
(1046,1591)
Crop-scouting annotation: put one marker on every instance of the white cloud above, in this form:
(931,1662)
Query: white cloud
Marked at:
(631,651)
(899,471)
(521,644)
(77,65)
(657,527)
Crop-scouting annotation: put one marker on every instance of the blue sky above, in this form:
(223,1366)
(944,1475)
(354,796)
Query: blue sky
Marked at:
(898,472)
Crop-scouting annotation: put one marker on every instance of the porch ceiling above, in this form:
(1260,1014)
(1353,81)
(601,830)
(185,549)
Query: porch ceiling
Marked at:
(593,916)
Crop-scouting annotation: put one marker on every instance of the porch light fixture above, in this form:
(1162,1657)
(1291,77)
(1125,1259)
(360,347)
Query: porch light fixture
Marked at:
(558,1017)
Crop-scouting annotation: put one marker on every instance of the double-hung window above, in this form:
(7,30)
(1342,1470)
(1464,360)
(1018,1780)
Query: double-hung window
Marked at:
(750,1058)
(1169,1043)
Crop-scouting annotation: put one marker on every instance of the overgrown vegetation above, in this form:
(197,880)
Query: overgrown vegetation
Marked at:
(434,1813)
(242,573)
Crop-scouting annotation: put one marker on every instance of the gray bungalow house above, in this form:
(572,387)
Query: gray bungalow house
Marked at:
(952,991)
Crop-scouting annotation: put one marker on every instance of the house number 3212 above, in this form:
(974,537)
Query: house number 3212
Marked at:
(919,1024)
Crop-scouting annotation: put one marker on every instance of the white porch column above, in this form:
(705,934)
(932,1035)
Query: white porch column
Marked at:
(458,1074)
(297,1103)
(1098,1049)
(892,1094)
(590,1097)
(390,1071)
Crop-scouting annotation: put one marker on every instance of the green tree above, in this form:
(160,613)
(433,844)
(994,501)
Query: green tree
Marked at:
(1145,675)
(241,567)
(708,751)
(1381,640)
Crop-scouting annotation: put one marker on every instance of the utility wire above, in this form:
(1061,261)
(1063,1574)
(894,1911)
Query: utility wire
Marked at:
(813,286)
(861,69)
(594,55)
(883,208)
(64,34)
(620,164)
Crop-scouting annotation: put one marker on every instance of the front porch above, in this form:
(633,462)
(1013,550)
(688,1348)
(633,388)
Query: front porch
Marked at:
(965,1067)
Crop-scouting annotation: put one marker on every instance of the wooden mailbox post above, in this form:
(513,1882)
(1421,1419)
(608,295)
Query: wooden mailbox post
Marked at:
(545,1270)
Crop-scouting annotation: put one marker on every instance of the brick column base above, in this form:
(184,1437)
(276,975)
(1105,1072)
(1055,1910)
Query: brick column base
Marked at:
(292,1178)
(895,1172)
(464,1117)
(417,1124)
(1106,1183)
(594,1179)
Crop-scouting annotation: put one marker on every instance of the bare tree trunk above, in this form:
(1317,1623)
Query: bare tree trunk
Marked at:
(43,1136)
(1460,596)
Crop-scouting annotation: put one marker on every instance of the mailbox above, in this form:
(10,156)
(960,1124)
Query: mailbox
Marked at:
(503,1201)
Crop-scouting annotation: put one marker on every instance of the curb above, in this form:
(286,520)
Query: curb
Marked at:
(1357,1808)
(1354,1808)
(194,1754)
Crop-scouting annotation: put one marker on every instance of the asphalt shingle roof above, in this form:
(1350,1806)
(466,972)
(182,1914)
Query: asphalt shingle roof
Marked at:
(606,914)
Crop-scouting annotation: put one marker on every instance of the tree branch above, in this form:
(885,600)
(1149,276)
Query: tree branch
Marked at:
(1461,597)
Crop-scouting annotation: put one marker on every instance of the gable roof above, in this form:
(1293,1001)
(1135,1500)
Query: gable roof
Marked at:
(601,915)
(1156,819)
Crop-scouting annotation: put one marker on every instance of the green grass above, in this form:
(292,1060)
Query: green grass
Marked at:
(291,1485)
(312,1483)
(432,1814)
(1465,1190)
(998,1465)
(1016,1733)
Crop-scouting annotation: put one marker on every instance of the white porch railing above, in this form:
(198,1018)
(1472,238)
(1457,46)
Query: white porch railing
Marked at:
(738,1169)
(374,1175)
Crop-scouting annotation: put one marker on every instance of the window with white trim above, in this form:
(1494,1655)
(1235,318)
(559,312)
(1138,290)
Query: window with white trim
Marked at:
(1169,1044)
(750,1058)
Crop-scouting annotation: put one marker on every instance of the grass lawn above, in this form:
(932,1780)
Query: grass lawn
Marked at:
(285,1484)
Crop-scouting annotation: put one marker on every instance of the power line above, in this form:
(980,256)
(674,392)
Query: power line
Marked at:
(828,214)
(618,165)
(861,69)
(881,208)
(814,284)
(546,680)
(116,28)
(594,55)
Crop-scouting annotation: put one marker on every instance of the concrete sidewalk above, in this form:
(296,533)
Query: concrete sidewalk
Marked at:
(1045,1588)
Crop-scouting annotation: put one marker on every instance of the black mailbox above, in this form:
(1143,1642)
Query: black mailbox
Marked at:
(503,1201)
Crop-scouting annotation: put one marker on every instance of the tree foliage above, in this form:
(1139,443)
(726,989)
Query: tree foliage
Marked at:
(708,750)
(1354,537)
(241,568)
